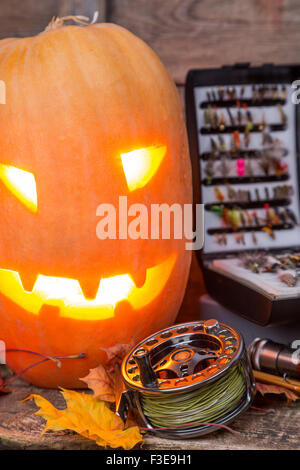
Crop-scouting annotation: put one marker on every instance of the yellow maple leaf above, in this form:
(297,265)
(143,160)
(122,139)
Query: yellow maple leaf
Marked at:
(89,417)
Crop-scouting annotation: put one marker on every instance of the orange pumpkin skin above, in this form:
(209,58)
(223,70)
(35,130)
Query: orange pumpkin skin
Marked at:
(78,98)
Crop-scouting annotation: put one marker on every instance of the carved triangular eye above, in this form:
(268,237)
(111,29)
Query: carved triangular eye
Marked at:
(22,185)
(140,165)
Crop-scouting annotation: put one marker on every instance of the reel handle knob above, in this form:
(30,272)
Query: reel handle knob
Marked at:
(147,374)
(211,325)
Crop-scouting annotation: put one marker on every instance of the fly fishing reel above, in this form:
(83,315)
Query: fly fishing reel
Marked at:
(185,379)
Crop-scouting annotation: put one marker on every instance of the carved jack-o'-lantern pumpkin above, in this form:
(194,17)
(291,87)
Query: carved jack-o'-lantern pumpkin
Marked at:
(91,114)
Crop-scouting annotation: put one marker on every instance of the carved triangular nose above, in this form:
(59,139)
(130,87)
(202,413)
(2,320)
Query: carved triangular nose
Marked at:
(28,280)
(89,287)
(139,277)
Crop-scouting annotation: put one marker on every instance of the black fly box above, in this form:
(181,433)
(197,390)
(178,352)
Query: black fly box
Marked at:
(244,143)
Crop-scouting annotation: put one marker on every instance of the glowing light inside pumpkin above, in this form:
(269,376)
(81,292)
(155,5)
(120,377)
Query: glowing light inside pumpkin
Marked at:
(140,165)
(21,183)
(114,289)
(68,296)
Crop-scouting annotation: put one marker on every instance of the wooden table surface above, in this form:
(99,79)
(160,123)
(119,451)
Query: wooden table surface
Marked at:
(21,429)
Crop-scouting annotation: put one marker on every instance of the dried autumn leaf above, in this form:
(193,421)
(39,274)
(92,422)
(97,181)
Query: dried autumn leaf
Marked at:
(276,389)
(103,380)
(89,417)
(101,383)
(116,354)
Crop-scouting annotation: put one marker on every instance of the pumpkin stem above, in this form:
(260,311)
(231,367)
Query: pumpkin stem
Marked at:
(57,22)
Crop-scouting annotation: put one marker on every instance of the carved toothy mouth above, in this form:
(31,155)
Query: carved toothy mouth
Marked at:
(68,296)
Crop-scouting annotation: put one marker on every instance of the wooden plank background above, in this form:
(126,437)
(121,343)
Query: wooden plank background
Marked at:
(184,33)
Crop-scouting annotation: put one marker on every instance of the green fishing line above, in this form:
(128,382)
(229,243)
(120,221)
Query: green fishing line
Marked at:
(205,405)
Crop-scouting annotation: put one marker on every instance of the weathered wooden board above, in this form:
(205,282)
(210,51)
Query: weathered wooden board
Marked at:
(82,7)
(25,18)
(207,33)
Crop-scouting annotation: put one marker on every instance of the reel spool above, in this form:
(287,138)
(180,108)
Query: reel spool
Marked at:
(187,376)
